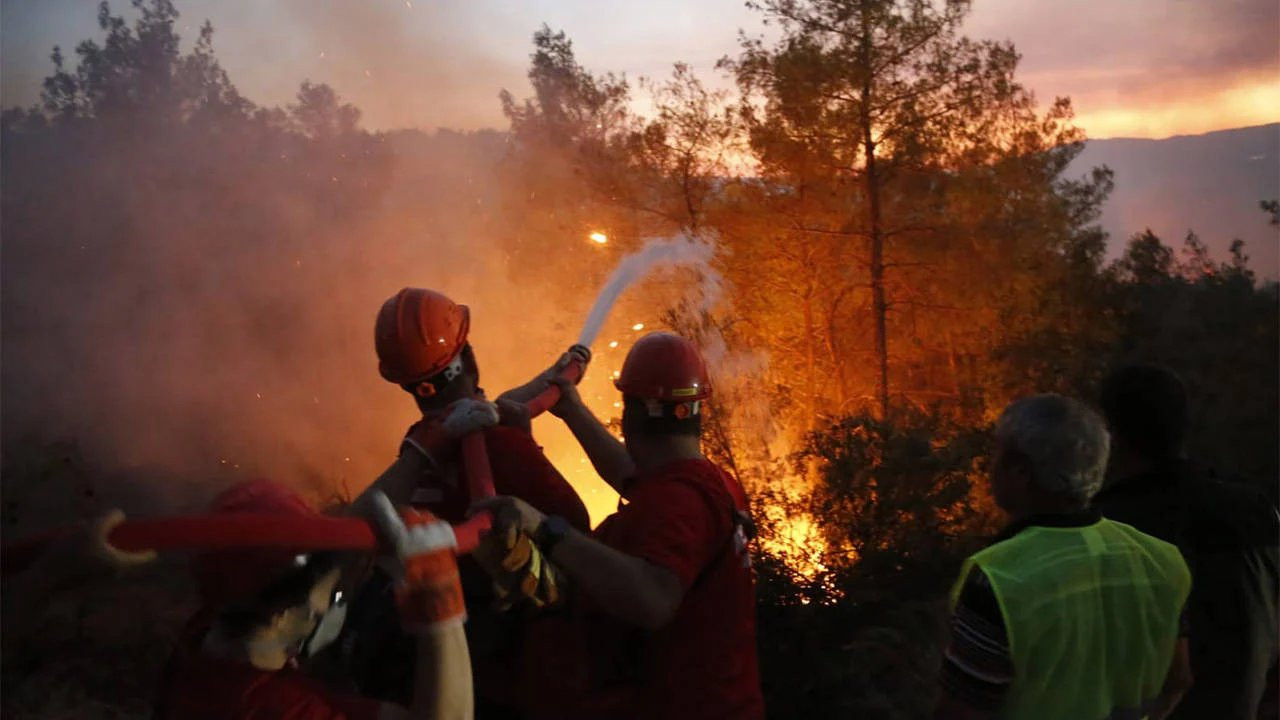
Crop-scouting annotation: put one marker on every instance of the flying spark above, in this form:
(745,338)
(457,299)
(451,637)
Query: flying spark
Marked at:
(599,238)
(638,326)
(613,344)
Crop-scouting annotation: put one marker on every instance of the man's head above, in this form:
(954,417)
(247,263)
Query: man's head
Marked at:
(1146,409)
(275,604)
(421,339)
(664,385)
(1051,456)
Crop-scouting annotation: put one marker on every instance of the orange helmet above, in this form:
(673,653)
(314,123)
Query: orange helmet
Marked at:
(665,367)
(420,334)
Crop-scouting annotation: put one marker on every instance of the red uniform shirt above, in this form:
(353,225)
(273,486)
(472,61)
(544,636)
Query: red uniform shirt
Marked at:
(519,469)
(200,687)
(703,663)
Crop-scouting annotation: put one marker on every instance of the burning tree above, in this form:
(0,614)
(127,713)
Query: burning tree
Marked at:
(890,148)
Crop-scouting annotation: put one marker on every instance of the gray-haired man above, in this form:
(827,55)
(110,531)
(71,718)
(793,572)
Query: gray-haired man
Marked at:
(1066,615)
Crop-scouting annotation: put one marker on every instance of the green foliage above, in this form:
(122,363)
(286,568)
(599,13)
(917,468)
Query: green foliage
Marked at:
(900,507)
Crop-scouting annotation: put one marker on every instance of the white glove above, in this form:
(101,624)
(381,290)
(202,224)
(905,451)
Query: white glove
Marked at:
(467,416)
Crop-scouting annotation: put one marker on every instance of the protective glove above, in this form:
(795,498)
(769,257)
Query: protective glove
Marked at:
(428,589)
(436,437)
(469,415)
(518,568)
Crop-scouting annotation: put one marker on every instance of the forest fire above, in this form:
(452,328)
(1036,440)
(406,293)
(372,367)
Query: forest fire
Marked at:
(191,281)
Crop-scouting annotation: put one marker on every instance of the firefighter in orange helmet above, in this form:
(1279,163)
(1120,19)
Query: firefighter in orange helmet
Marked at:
(421,339)
(666,591)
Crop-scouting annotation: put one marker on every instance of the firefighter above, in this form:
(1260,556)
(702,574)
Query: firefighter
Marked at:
(266,610)
(664,585)
(421,339)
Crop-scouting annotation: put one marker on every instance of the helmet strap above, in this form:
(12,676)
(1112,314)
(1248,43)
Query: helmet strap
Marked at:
(431,386)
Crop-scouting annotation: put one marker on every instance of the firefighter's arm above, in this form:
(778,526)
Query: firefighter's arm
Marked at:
(428,595)
(630,588)
(397,482)
(607,454)
(528,391)
(1176,683)
(627,587)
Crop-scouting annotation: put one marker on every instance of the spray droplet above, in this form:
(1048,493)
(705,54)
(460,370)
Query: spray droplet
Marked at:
(259,395)
(321,55)
(408,4)
(638,326)
(346,459)
(368,74)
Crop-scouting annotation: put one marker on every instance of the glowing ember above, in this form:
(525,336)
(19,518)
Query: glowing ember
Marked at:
(599,238)
(638,326)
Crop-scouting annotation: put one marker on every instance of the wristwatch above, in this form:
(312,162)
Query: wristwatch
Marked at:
(550,532)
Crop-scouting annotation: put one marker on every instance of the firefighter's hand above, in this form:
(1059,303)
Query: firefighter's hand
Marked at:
(570,401)
(511,513)
(428,589)
(514,414)
(468,415)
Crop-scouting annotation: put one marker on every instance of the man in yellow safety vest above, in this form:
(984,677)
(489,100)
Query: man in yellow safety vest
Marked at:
(1066,615)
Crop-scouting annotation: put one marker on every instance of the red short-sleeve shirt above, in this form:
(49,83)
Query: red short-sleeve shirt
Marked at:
(200,687)
(703,663)
(519,468)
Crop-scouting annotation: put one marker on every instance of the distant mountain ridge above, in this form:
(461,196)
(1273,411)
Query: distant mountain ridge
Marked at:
(1208,183)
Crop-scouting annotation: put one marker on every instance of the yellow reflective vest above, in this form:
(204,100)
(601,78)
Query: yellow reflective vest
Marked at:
(1091,615)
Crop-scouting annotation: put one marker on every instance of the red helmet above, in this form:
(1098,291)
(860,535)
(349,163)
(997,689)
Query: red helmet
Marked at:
(419,334)
(666,367)
(227,576)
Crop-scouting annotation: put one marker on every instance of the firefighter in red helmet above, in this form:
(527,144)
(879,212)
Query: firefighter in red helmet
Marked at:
(664,585)
(422,343)
(263,611)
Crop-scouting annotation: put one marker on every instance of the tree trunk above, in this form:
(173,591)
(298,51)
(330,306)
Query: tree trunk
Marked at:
(879,306)
(811,360)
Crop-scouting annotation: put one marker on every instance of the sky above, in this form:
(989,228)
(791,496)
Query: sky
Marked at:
(1133,68)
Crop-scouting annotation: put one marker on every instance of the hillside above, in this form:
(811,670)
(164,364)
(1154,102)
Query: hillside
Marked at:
(1209,183)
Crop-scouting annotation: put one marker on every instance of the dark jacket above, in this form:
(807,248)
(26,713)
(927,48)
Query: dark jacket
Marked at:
(1228,532)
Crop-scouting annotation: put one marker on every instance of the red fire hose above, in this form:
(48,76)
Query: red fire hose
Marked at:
(205,532)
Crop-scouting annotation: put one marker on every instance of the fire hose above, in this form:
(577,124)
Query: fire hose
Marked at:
(246,530)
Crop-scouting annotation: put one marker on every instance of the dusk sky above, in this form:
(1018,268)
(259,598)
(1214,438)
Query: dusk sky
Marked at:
(1134,68)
